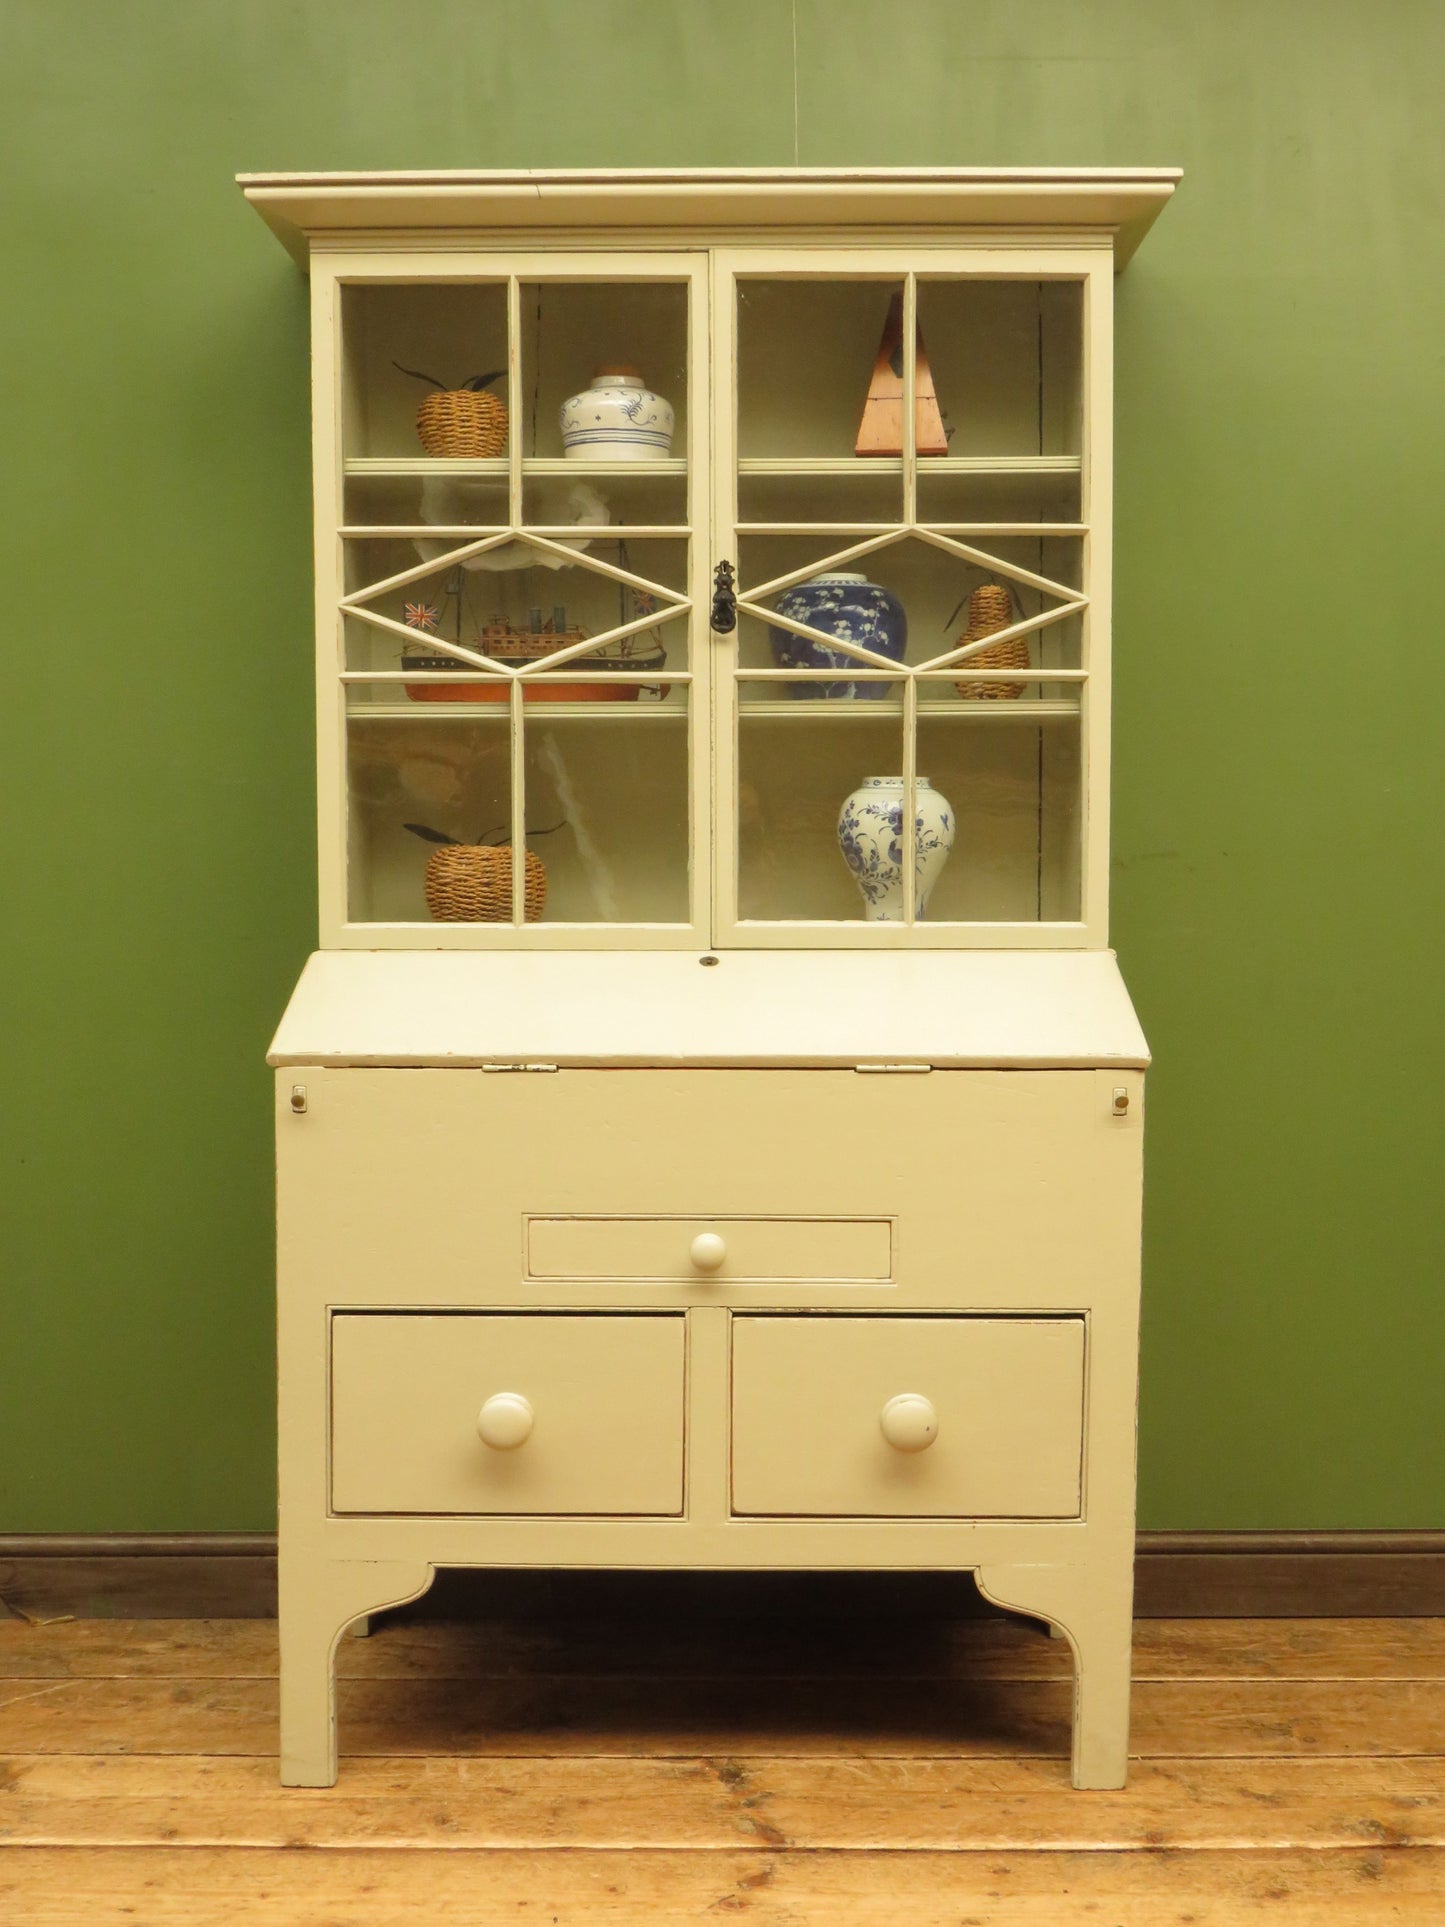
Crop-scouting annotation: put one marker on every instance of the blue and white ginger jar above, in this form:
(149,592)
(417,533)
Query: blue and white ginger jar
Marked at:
(851,608)
(870,835)
(617,419)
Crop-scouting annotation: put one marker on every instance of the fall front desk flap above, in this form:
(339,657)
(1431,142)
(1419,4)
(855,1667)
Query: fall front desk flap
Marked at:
(1006,1008)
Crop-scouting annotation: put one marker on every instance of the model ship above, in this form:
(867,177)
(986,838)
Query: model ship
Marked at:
(514,648)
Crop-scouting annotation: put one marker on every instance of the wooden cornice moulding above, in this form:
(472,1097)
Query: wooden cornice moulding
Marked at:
(1177,1575)
(1121,203)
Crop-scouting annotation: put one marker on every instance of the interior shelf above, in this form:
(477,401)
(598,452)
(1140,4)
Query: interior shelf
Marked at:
(859,465)
(401,465)
(537,712)
(961,710)
(994,712)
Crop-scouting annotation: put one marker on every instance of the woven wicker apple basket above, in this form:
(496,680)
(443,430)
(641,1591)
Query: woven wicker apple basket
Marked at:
(472,883)
(461,424)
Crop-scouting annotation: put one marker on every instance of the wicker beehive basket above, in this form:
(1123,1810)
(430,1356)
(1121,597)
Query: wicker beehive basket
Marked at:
(463,423)
(990,607)
(472,883)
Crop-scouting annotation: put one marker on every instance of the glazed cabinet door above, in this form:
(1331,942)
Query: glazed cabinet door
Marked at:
(512,518)
(912,705)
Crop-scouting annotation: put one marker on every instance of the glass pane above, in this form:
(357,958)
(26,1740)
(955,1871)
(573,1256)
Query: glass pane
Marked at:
(604,371)
(807,355)
(448,335)
(1005,357)
(420,493)
(585,623)
(1045,491)
(838,599)
(998,424)
(577,494)
(983,598)
(617,784)
(806,352)
(909,600)
(796,767)
(495,604)
(555,496)
(425,404)
(821,803)
(857,494)
(448,777)
(607,815)
(1014,788)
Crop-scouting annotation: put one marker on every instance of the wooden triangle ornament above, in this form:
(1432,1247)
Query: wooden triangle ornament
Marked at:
(881,430)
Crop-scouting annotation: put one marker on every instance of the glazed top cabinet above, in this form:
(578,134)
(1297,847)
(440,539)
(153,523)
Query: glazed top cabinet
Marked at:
(603,667)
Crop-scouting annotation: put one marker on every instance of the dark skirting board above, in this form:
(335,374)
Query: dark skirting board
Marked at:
(1177,1575)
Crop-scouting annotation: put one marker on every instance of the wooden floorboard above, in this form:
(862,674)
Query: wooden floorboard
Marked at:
(259,1887)
(565,1774)
(546,1716)
(720,1802)
(1164,1649)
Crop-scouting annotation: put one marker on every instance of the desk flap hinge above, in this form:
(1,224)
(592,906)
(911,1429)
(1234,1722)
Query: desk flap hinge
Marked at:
(519,1067)
(895,1069)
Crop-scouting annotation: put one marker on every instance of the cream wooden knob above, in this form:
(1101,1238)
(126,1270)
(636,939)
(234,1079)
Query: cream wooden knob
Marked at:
(909,1422)
(505,1420)
(708,1251)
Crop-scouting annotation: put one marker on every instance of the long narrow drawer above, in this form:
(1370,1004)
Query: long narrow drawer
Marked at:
(729,1250)
(482,1413)
(876,1417)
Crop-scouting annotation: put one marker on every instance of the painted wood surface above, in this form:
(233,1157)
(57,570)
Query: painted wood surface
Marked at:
(358,1390)
(649,1007)
(808,1400)
(618,1249)
(371,884)
(1122,202)
(1013,1190)
(752,862)
(1056,853)
(606,1395)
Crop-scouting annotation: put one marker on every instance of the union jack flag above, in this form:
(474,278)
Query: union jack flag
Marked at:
(423,615)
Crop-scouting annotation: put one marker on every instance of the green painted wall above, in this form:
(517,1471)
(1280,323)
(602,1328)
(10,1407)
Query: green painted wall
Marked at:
(1278,860)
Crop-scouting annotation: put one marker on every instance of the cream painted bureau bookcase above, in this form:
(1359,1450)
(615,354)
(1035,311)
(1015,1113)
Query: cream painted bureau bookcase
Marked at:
(710,1132)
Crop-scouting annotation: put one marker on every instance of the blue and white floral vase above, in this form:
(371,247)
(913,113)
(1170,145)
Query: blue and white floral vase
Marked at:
(870,835)
(851,608)
(617,419)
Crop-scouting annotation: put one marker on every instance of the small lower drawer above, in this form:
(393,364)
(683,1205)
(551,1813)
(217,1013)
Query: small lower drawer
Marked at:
(988,1424)
(598,1403)
(831,1250)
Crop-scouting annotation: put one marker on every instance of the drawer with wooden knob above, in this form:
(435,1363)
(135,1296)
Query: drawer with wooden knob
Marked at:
(719,1250)
(478,1412)
(881,1417)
